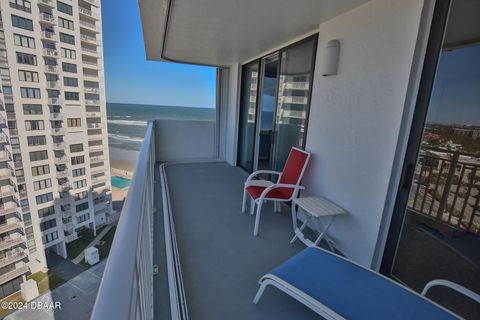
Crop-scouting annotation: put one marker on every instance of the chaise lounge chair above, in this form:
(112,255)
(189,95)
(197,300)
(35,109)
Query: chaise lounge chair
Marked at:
(337,288)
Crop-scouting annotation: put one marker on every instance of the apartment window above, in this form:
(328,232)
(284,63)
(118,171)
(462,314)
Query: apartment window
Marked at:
(78,172)
(24,41)
(67,38)
(49,224)
(49,237)
(81,207)
(80,184)
(45,212)
(30,240)
(32,109)
(65,8)
(5,73)
(83,218)
(23,5)
(33,93)
(77,160)
(70,82)
(81,195)
(22,23)
(44,198)
(31,125)
(72,96)
(8,90)
(24,203)
(29,76)
(36,141)
(74,122)
(42,184)
(38,155)
(40,170)
(69,67)
(65,23)
(25,58)
(68,53)
(76,147)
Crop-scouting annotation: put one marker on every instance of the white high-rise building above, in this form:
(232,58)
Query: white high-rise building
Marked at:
(54,143)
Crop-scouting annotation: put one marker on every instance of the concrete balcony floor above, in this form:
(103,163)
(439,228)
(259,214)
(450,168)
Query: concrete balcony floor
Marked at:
(220,258)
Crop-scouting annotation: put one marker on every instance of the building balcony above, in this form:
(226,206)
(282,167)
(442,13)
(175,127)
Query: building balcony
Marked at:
(5,173)
(89,52)
(91,90)
(58,131)
(91,65)
(53,85)
(97,147)
(48,35)
(94,114)
(47,19)
(5,155)
(8,208)
(61,160)
(56,116)
(62,174)
(47,3)
(12,258)
(13,274)
(97,159)
(54,101)
(209,237)
(7,191)
(47,52)
(3,138)
(88,26)
(92,2)
(87,13)
(92,102)
(10,243)
(51,69)
(6,227)
(88,39)
(59,145)
(95,125)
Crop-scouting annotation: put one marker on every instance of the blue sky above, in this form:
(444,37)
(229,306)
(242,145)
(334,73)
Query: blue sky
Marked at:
(130,78)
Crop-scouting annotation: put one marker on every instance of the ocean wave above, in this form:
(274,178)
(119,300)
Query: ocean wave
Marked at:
(129,122)
(123,138)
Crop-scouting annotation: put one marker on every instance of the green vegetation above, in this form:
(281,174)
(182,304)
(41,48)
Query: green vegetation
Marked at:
(104,248)
(76,247)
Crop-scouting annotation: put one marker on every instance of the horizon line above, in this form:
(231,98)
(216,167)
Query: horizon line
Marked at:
(160,105)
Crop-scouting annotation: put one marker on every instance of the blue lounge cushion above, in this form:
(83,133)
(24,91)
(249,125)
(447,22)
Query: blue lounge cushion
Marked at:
(353,291)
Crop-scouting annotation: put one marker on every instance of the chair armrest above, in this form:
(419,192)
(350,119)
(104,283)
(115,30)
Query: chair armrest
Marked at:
(254,174)
(281,185)
(452,285)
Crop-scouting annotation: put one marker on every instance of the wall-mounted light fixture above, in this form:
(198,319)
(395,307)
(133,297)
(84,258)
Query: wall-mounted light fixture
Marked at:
(330,58)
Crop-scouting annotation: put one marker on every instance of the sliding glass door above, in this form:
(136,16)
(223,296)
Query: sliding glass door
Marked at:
(247,120)
(294,88)
(274,105)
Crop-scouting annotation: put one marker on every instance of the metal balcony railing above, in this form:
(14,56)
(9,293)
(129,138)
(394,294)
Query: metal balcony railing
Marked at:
(132,249)
(91,90)
(87,12)
(88,25)
(91,51)
(446,190)
(86,38)
(45,17)
(92,102)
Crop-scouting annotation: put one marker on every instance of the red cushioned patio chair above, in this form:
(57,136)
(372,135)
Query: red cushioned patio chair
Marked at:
(285,189)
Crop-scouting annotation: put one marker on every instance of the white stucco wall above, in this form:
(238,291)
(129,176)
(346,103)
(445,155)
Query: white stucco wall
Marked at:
(356,116)
(232,114)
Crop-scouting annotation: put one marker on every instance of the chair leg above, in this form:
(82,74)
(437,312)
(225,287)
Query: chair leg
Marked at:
(257,218)
(252,207)
(244,203)
(260,291)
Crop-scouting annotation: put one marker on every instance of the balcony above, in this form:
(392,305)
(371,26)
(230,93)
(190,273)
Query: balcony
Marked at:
(87,13)
(91,65)
(61,160)
(59,145)
(92,2)
(88,39)
(54,101)
(210,236)
(47,19)
(47,52)
(94,114)
(96,159)
(12,258)
(5,155)
(47,3)
(58,131)
(13,274)
(95,125)
(3,138)
(48,35)
(10,243)
(53,85)
(8,208)
(5,173)
(56,116)
(7,191)
(91,90)
(9,227)
(51,69)
(89,52)
(62,174)
(92,102)
(88,25)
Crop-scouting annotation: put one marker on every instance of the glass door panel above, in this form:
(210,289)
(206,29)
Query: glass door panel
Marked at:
(295,80)
(440,236)
(247,121)
(268,85)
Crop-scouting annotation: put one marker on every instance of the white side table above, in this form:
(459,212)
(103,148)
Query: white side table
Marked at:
(315,207)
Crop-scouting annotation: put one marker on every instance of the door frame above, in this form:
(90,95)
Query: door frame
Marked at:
(313,37)
(432,56)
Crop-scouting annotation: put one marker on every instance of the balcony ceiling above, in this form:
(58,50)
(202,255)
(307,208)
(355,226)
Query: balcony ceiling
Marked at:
(222,32)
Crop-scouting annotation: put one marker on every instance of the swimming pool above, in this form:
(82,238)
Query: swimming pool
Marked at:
(119,182)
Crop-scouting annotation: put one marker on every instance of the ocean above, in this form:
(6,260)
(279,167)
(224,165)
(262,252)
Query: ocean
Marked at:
(127,122)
